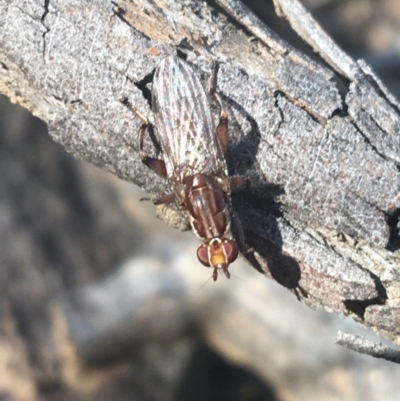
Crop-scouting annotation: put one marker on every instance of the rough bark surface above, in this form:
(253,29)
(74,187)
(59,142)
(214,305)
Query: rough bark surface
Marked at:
(321,143)
(324,145)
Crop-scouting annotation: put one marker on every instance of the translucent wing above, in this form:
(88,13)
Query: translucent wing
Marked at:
(184,122)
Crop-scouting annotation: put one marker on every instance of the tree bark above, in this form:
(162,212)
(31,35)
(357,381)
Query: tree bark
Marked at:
(321,142)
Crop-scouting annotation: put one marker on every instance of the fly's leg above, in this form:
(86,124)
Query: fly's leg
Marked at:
(227,274)
(236,181)
(157,165)
(165,199)
(222,128)
(241,182)
(215,274)
(225,270)
(162,200)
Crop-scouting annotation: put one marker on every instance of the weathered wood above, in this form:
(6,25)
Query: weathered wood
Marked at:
(325,161)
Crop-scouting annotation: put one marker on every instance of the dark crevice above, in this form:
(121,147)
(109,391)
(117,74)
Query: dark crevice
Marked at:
(42,18)
(379,91)
(341,112)
(343,88)
(366,139)
(358,307)
(46,10)
(181,54)
(276,104)
(185,45)
(142,85)
(317,119)
(393,221)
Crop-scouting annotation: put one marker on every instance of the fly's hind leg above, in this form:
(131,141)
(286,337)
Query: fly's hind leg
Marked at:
(162,200)
(222,128)
(157,165)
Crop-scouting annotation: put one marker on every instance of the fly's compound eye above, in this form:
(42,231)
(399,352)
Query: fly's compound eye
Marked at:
(202,255)
(231,249)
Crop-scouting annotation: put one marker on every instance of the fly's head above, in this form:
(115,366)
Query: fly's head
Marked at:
(218,253)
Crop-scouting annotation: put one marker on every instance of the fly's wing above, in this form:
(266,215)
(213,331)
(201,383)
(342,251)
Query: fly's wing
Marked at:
(184,122)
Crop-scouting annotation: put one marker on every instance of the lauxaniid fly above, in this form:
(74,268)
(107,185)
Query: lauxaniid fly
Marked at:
(194,161)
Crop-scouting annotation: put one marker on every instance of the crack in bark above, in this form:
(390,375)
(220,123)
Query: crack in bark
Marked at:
(42,18)
(365,137)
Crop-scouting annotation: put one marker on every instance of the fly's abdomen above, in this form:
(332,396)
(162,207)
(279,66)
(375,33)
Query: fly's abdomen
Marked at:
(207,207)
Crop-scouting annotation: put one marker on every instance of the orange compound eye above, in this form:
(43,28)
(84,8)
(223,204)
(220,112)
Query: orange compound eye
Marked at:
(231,249)
(202,255)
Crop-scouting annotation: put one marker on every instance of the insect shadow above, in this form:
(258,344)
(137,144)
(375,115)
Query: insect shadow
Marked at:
(258,208)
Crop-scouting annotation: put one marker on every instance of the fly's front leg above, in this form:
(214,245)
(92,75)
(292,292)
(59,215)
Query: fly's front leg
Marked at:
(222,128)
(157,165)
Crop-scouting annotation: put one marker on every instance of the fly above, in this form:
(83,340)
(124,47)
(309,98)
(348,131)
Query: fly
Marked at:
(194,161)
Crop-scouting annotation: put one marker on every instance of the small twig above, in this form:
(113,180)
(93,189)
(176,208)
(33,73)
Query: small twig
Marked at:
(362,346)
